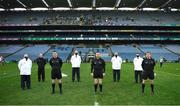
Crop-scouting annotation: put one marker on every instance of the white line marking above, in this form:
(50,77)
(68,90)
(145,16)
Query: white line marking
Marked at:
(96,103)
(64,75)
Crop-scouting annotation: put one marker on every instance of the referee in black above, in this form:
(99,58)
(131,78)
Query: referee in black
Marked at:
(148,73)
(98,71)
(56,64)
(41,62)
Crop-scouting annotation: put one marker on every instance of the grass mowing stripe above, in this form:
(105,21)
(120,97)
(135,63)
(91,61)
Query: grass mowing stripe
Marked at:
(8,76)
(169,73)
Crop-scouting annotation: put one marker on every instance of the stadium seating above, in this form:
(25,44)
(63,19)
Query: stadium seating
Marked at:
(125,51)
(62,50)
(169,52)
(104,52)
(158,52)
(32,50)
(82,18)
(6,50)
(174,48)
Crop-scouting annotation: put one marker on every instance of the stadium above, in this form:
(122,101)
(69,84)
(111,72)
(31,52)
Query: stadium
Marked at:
(126,27)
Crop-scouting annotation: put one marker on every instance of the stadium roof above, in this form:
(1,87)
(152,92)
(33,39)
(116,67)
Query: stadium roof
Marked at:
(89,4)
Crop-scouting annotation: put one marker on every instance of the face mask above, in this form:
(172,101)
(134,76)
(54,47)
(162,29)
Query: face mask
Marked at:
(137,56)
(26,58)
(115,55)
(76,53)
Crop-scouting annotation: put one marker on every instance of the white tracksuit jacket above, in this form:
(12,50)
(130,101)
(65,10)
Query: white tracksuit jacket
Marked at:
(76,61)
(25,66)
(116,62)
(137,63)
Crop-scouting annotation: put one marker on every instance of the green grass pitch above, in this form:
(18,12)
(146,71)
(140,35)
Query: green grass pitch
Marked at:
(126,92)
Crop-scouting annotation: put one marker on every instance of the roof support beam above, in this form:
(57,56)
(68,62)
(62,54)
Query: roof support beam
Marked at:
(93,3)
(21,3)
(45,3)
(118,2)
(165,4)
(140,5)
(70,3)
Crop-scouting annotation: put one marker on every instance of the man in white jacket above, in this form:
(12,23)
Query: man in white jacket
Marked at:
(25,66)
(116,66)
(76,62)
(138,68)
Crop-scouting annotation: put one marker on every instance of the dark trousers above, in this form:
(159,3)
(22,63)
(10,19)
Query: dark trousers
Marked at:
(116,75)
(41,75)
(25,80)
(161,64)
(76,71)
(138,74)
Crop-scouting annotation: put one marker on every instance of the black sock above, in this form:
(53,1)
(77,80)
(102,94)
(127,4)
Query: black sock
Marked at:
(60,87)
(152,88)
(143,86)
(53,88)
(100,85)
(95,87)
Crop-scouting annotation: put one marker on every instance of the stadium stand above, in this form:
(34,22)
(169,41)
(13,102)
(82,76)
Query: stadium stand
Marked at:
(6,50)
(114,27)
(100,18)
(169,52)
(63,51)
(105,53)
(159,52)
(125,51)
(32,50)
(173,48)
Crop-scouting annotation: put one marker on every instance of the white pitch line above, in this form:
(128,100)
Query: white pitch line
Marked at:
(64,75)
(95,101)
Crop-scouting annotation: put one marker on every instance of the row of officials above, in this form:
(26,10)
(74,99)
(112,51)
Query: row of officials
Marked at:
(143,70)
